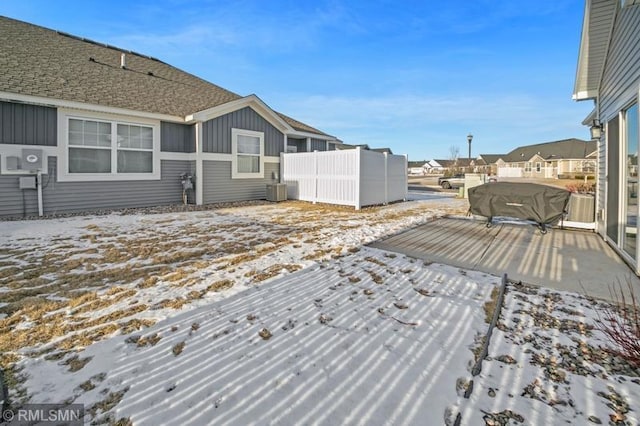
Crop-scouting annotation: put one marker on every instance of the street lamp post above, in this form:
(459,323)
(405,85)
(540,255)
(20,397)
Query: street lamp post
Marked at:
(469,138)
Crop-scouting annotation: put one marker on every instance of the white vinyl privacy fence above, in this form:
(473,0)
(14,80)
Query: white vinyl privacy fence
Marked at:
(353,177)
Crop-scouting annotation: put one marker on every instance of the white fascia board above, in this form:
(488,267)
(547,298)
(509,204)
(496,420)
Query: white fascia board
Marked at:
(585,95)
(329,138)
(581,69)
(248,101)
(59,103)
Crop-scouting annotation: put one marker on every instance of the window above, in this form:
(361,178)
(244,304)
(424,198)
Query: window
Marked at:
(527,167)
(89,146)
(538,167)
(247,149)
(135,149)
(105,147)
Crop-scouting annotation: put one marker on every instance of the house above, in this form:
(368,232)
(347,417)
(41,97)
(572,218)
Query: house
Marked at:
(488,163)
(458,165)
(433,166)
(85,126)
(550,160)
(365,147)
(417,168)
(608,74)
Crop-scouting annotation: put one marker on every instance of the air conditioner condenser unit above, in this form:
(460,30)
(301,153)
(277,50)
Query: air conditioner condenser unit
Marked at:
(277,192)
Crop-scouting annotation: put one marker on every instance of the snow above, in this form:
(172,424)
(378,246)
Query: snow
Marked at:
(280,314)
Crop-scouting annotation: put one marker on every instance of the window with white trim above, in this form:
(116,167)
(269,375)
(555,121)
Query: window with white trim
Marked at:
(527,166)
(106,147)
(247,149)
(538,167)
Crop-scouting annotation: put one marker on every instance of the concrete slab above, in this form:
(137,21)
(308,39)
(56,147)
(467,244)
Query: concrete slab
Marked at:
(569,260)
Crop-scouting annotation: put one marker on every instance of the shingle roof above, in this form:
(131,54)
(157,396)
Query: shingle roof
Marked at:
(298,125)
(567,148)
(41,62)
(491,158)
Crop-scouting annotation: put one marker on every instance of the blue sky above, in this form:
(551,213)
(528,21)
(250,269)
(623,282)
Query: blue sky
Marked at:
(415,76)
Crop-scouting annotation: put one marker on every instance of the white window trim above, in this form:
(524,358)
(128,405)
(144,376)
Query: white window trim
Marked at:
(234,154)
(63,145)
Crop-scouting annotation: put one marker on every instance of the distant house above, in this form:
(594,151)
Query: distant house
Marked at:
(110,128)
(433,166)
(417,168)
(609,75)
(488,163)
(459,165)
(365,147)
(565,158)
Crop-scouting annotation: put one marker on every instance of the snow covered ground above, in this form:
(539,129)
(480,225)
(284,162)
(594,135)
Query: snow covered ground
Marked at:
(278,314)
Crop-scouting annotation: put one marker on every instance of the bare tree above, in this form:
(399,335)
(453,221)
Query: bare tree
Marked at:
(454,153)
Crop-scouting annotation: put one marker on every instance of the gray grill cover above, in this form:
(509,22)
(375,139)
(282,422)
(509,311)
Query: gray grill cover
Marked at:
(540,203)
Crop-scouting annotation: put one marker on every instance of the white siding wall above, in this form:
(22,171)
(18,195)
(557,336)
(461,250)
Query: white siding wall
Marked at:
(347,177)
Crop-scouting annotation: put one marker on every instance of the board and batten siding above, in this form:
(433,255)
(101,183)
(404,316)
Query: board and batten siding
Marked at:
(620,85)
(176,137)
(318,144)
(216,133)
(64,197)
(219,187)
(28,124)
(300,144)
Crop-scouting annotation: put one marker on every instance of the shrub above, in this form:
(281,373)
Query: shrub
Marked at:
(620,323)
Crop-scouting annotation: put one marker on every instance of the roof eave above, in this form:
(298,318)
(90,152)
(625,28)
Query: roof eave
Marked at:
(251,101)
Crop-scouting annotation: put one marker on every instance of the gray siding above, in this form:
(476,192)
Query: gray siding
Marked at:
(300,144)
(28,124)
(176,137)
(621,77)
(216,133)
(318,145)
(620,83)
(62,197)
(219,187)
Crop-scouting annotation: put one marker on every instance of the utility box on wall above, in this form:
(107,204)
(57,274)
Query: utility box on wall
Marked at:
(31,159)
(13,163)
(27,182)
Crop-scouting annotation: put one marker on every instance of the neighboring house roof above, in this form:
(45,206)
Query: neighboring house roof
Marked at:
(597,27)
(383,150)
(490,158)
(416,164)
(37,61)
(460,162)
(564,149)
(298,125)
(349,146)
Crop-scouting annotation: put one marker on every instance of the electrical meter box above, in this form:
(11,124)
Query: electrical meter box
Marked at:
(31,159)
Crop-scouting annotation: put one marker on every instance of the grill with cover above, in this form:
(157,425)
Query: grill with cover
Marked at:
(542,204)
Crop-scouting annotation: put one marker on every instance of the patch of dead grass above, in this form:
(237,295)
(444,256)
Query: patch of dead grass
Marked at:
(490,305)
(219,286)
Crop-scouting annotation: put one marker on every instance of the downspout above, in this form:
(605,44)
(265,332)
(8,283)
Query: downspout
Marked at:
(199,166)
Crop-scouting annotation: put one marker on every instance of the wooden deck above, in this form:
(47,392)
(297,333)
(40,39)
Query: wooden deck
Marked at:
(569,260)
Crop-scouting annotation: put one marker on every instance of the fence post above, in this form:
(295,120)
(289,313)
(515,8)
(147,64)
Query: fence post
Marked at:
(358,179)
(386,178)
(406,178)
(315,176)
